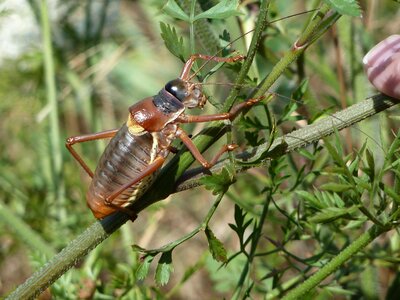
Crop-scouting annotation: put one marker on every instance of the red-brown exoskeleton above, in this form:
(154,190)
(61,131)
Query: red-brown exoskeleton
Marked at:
(139,148)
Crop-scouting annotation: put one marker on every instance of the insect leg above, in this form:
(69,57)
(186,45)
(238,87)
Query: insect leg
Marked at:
(188,65)
(85,138)
(231,115)
(150,169)
(196,153)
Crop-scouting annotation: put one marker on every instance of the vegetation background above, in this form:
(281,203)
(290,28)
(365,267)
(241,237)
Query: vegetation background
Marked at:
(106,55)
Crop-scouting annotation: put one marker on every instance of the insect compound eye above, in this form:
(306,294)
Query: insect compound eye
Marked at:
(177,88)
(382,65)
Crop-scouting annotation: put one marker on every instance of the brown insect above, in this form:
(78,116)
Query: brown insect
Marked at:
(139,148)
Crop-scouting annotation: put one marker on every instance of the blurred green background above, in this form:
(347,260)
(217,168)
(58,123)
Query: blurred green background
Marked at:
(107,55)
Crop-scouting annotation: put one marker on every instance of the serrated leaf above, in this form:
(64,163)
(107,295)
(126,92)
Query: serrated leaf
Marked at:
(172,9)
(215,246)
(346,7)
(164,268)
(240,225)
(219,183)
(143,269)
(332,213)
(224,9)
(173,43)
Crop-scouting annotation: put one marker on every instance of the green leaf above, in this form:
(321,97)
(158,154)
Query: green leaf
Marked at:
(346,7)
(331,214)
(287,114)
(336,187)
(219,183)
(369,281)
(143,269)
(338,290)
(224,9)
(172,9)
(172,41)
(240,225)
(307,154)
(311,199)
(215,246)
(137,248)
(371,165)
(300,90)
(392,193)
(164,268)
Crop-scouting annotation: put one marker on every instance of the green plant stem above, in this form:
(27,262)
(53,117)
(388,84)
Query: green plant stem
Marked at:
(255,41)
(51,96)
(324,127)
(191,26)
(68,257)
(206,39)
(252,253)
(191,234)
(306,38)
(356,246)
(313,26)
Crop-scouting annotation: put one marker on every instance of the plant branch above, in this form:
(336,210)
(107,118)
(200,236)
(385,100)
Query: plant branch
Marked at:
(100,230)
(356,246)
(296,139)
(170,246)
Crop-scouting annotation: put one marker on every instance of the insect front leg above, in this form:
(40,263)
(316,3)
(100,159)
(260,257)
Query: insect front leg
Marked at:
(231,115)
(86,138)
(196,153)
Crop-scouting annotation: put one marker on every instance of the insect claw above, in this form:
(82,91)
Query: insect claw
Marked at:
(207,165)
(231,147)
(238,57)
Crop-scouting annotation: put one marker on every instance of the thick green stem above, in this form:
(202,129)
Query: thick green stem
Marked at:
(335,263)
(68,257)
(313,26)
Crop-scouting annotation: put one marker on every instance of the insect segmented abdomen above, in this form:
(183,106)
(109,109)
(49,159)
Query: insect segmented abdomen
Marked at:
(124,158)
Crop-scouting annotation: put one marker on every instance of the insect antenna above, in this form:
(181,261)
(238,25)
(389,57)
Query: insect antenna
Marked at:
(241,36)
(277,95)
